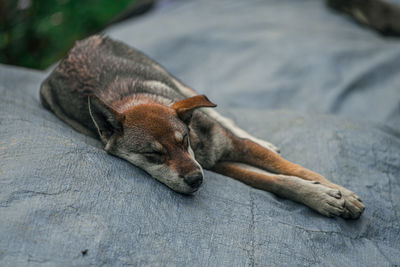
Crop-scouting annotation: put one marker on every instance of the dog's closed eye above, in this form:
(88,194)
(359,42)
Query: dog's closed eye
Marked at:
(185,141)
(156,157)
(153,153)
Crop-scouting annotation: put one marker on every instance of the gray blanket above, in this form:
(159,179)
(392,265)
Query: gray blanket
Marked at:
(323,89)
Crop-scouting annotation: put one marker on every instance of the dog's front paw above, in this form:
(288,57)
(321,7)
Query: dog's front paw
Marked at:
(353,206)
(325,200)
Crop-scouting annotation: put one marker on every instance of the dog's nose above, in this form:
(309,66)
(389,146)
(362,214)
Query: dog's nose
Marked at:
(194,180)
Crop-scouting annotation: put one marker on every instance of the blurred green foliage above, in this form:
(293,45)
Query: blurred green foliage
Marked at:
(36,33)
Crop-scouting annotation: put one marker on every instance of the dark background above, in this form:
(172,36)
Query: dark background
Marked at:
(35,34)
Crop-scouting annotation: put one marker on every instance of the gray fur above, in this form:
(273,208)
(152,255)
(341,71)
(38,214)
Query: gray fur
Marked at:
(111,71)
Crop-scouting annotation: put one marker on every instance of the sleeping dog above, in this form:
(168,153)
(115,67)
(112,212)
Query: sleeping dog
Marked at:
(143,114)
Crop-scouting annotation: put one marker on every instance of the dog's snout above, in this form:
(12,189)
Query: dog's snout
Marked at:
(194,180)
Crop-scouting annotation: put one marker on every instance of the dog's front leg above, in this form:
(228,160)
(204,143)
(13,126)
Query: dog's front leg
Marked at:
(325,200)
(249,152)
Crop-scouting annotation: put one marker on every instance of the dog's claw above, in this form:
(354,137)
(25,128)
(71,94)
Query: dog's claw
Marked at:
(353,204)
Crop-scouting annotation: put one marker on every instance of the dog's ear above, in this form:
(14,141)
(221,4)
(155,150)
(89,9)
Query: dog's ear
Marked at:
(106,119)
(184,108)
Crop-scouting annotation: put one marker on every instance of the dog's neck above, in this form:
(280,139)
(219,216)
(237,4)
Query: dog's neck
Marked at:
(139,99)
(136,92)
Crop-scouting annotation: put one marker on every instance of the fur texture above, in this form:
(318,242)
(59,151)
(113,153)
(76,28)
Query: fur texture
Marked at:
(146,116)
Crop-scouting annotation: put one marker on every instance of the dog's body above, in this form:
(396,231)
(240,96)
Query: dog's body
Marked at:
(146,116)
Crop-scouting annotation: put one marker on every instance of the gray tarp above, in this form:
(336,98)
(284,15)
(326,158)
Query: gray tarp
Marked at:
(323,89)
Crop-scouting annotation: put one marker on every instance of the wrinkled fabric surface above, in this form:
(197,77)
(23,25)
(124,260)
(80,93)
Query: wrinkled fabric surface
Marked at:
(324,90)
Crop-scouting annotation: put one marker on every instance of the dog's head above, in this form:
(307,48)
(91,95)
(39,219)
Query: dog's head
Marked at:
(153,137)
